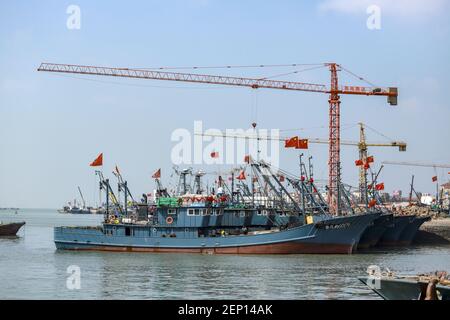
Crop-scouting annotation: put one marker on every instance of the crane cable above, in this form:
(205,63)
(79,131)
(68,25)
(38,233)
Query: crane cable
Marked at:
(293,72)
(358,77)
(379,133)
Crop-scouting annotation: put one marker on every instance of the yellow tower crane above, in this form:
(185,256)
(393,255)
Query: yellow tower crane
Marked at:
(363,155)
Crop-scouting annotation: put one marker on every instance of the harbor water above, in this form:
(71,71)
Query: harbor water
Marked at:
(31,268)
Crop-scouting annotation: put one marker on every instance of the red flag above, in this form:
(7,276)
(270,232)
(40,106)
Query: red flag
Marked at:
(247,159)
(98,161)
(214,154)
(281,178)
(370,159)
(157,174)
(379,186)
(358,163)
(434,178)
(302,144)
(369,187)
(366,166)
(241,176)
(291,143)
(372,203)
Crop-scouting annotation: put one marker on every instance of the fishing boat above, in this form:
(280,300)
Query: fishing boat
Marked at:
(272,220)
(391,237)
(75,208)
(10,229)
(410,231)
(217,231)
(433,286)
(375,231)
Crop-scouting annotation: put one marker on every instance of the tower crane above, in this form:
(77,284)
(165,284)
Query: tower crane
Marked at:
(334,91)
(362,146)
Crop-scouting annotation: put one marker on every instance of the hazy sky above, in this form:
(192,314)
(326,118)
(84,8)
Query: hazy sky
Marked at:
(53,126)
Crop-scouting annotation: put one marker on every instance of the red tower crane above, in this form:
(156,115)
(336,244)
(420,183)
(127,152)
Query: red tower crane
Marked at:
(334,92)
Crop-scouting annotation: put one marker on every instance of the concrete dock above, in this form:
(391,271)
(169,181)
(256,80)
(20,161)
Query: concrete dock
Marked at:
(435,231)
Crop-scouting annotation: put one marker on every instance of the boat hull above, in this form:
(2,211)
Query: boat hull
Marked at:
(332,236)
(392,234)
(410,231)
(402,289)
(10,229)
(373,233)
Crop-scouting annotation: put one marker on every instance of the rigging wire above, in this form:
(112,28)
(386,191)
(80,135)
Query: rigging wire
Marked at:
(379,133)
(358,77)
(290,73)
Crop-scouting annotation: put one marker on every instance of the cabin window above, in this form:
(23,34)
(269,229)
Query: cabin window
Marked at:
(204,212)
(127,231)
(242,214)
(196,212)
(218,212)
(172,211)
(190,212)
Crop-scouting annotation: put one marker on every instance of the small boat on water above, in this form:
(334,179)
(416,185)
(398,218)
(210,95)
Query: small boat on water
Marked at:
(434,286)
(10,229)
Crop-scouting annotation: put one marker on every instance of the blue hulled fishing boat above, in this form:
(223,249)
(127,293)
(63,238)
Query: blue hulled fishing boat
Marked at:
(218,231)
(235,219)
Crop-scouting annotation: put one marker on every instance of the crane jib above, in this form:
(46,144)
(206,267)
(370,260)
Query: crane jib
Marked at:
(184,77)
(213,79)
